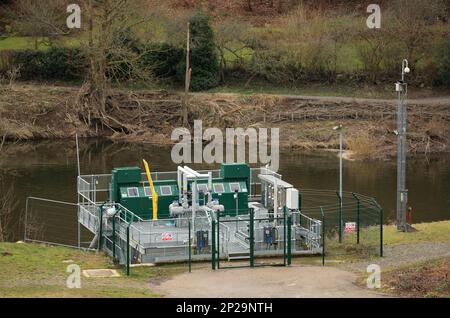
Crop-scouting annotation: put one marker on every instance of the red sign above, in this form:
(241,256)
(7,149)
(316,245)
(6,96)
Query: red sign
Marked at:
(166,237)
(350,227)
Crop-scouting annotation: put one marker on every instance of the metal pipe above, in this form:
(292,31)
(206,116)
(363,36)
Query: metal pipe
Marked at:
(128,250)
(340,217)
(213,244)
(252,237)
(323,236)
(190,247)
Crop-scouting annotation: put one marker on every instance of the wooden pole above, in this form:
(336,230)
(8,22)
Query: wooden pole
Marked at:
(187,80)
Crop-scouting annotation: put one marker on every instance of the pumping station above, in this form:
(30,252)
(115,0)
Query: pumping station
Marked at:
(235,213)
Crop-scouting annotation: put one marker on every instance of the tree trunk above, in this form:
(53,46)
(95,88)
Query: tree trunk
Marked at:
(187,80)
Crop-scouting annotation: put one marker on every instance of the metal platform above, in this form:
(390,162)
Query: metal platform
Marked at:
(167,240)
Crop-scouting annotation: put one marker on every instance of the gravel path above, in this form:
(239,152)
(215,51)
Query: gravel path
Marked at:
(296,281)
(404,254)
(267,282)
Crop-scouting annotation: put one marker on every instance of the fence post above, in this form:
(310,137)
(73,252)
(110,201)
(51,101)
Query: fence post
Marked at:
(190,243)
(252,238)
(300,208)
(26,220)
(100,228)
(340,217)
(358,211)
(114,237)
(289,234)
(381,232)
(284,235)
(323,236)
(218,240)
(380,211)
(213,245)
(128,250)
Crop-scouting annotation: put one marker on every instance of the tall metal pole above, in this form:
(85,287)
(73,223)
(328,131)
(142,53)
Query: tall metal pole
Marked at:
(341,155)
(402,192)
(341,138)
(78,196)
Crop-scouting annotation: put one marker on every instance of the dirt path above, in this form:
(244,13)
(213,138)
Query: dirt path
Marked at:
(405,254)
(267,282)
(433,101)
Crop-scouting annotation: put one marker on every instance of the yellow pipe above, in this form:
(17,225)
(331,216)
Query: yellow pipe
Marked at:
(152,188)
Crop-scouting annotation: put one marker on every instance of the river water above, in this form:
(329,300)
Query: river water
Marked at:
(48,169)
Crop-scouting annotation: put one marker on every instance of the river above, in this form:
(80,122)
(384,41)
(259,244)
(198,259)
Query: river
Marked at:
(48,169)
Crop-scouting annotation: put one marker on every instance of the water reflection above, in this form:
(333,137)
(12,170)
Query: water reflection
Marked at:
(48,169)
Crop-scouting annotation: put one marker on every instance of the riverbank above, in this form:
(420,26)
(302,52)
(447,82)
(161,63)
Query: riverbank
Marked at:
(32,270)
(35,112)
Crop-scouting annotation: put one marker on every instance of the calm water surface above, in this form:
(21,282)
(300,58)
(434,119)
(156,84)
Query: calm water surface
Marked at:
(48,169)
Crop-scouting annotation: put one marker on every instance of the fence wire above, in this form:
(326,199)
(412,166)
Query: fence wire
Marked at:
(54,222)
(353,222)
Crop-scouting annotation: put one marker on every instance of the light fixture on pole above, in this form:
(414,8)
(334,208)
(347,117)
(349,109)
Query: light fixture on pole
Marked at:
(401,88)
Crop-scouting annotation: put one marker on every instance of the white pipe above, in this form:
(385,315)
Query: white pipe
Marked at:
(210,181)
(195,173)
(185,175)
(179,177)
(194,200)
(275,199)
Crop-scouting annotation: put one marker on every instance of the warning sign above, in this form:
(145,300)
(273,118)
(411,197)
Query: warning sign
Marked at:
(350,227)
(166,237)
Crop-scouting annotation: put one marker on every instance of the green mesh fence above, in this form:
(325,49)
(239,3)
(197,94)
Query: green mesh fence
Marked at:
(352,223)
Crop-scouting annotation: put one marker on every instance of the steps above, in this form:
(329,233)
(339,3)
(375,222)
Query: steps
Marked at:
(235,256)
(238,251)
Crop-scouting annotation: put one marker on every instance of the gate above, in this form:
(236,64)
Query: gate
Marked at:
(54,222)
(250,241)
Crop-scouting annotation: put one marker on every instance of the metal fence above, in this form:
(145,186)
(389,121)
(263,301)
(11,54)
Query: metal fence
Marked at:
(353,223)
(54,222)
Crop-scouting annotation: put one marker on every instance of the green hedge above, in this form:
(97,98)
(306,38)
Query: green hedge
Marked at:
(70,63)
(443,58)
(162,59)
(203,59)
(55,64)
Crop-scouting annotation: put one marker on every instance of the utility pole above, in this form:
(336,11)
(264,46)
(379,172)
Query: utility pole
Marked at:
(340,128)
(401,88)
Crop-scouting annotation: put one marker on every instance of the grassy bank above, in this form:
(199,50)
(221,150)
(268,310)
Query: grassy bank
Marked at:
(426,232)
(31,270)
(425,279)
(31,112)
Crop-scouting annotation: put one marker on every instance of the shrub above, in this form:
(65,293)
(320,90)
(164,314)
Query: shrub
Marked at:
(443,58)
(203,58)
(56,63)
(278,67)
(162,59)
(6,60)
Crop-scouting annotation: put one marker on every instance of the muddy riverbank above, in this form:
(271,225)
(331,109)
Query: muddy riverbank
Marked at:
(36,112)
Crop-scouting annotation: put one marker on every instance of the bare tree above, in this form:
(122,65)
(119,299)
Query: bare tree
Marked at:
(111,54)
(187,82)
(44,21)
(230,39)
(409,24)
(7,206)
(12,75)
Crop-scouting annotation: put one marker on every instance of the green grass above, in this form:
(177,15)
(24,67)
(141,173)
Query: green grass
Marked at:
(426,232)
(369,246)
(32,270)
(258,87)
(18,43)
(24,43)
